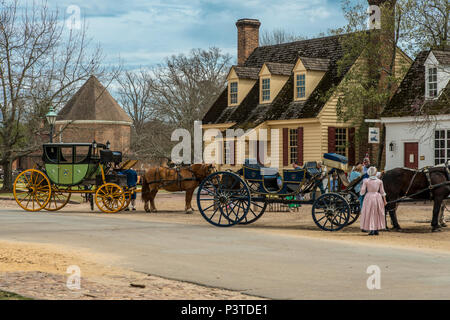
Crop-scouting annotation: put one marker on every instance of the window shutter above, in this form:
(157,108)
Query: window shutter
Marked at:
(300,146)
(351,146)
(285,147)
(331,139)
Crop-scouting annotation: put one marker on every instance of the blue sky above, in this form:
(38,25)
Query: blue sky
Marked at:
(143,32)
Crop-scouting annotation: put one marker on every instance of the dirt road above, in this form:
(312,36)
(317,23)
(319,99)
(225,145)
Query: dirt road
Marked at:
(283,255)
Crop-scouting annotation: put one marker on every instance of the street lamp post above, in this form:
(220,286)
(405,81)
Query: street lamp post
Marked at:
(51,118)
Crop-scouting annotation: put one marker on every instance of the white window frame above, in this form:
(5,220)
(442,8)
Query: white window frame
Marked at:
(341,132)
(265,89)
(234,94)
(441,146)
(293,145)
(432,80)
(299,93)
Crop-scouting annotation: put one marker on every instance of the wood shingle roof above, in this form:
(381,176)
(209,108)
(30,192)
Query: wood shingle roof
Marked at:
(326,51)
(409,99)
(246,72)
(93,102)
(443,56)
(280,69)
(318,64)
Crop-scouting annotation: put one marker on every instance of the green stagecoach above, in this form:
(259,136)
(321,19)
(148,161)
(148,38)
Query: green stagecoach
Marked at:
(83,168)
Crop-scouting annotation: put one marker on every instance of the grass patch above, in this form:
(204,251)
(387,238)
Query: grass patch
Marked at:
(11,296)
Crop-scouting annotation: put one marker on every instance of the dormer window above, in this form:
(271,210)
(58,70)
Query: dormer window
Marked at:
(266,89)
(300,86)
(432,83)
(308,72)
(233,92)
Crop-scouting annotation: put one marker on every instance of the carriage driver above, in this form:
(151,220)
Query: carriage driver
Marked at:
(132,181)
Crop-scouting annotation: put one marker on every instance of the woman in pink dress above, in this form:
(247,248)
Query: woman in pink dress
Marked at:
(372,213)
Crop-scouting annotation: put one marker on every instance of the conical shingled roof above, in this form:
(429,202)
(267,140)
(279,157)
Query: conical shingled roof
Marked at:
(93,102)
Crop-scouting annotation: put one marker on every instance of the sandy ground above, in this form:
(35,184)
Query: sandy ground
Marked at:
(40,271)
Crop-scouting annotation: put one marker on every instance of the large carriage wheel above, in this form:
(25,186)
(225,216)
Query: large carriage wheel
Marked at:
(127,202)
(331,212)
(255,211)
(110,198)
(223,199)
(355,206)
(32,190)
(58,199)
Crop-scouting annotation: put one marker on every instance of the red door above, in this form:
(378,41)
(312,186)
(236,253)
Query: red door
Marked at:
(412,155)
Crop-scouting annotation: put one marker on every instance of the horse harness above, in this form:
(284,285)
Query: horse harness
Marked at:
(179,179)
(431,186)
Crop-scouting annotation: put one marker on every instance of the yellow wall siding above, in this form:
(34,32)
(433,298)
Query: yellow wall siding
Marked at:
(244,87)
(311,140)
(276,83)
(402,64)
(329,118)
(312,79)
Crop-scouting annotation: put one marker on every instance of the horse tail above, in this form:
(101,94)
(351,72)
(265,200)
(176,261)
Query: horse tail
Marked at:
(145,188)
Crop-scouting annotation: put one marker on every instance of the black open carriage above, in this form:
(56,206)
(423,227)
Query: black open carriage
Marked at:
(228,198)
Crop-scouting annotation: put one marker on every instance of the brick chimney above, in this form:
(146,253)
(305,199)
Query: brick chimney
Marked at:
(248,38)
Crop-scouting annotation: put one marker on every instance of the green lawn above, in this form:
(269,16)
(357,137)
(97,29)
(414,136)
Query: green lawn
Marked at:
(11,296)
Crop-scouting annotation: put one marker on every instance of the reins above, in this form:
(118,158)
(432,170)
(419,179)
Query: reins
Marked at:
(430,187)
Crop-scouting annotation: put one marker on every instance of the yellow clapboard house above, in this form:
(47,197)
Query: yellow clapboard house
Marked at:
(285,87)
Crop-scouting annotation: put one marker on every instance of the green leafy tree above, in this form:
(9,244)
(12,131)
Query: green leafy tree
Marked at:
(368,87)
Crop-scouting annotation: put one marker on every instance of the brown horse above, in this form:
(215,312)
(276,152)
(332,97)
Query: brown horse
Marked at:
(185,178)
(402,182)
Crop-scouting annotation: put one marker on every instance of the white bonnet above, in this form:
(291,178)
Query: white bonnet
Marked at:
(372,171)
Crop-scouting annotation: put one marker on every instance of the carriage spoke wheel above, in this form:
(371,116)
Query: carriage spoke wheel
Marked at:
(58,199)
(223,199)
(355,207)
(32,190)
(127,202)
(331,212)
(255,211)
(110,198)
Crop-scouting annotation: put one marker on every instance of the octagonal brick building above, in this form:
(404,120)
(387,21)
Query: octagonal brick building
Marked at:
(93,114)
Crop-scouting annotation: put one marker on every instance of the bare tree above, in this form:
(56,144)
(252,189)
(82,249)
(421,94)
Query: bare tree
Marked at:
(172,95)
(185,86)
(40,66)
(278,36)
(136,96)
(426,24)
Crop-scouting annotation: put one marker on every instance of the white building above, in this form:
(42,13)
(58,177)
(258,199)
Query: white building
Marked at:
(417,118)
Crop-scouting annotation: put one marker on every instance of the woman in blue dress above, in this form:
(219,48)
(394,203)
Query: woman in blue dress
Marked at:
(355,174)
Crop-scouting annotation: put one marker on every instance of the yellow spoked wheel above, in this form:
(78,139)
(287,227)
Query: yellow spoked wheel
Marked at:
(32,190)
(110,198)
(58,199)
(127,200)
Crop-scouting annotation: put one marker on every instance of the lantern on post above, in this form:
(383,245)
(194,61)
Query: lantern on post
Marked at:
(51,118)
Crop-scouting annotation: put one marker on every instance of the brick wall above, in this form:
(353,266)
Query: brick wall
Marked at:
(248,38)
(118,135)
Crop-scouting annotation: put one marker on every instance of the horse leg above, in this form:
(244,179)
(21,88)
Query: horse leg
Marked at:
(188,207)
(436,212)
(152,200)
(442,216)
(392,209)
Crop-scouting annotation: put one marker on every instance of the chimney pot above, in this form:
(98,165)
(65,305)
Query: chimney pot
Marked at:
(248,38)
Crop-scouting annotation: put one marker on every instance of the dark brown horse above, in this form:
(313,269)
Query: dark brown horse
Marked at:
(185,178)
(401,182)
